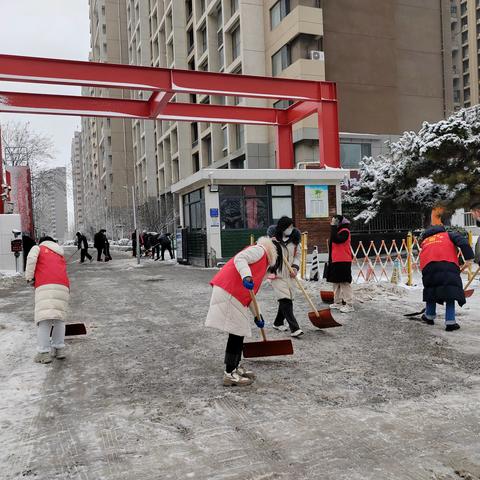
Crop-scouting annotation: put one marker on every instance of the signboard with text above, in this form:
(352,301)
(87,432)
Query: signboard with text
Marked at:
(316,201)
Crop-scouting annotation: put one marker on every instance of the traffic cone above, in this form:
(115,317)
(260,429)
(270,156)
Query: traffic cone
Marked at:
(314,268)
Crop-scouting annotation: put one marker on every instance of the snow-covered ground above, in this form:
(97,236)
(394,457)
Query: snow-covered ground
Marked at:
(140,397)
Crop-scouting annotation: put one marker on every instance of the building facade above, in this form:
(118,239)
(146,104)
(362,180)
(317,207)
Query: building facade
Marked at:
(77,182)
(391,61)
(465,29)
(106,143)
(50,203)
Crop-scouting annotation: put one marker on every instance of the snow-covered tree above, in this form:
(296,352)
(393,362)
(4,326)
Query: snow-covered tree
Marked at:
(439,165)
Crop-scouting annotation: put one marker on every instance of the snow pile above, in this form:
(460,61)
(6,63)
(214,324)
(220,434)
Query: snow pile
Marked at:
(9,279)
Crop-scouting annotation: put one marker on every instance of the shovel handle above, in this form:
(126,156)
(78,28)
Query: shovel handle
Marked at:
(256,309)
(300,286)
(471,280)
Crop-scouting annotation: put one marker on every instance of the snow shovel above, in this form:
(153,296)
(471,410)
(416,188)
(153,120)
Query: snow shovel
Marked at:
(322,318)
(71,256)
(266,348)
(72,329)
(468,293)
(326,296)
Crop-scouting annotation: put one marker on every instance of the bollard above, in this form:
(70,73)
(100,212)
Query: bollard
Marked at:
(409,258)
(252,239)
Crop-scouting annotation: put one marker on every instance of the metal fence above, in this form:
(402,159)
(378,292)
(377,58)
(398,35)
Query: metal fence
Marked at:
(386,222)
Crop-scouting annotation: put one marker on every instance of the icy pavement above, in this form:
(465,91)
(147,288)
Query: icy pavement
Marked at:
(140,397)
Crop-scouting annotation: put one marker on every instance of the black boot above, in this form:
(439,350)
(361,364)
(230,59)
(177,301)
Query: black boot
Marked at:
(452,327)
(428,321)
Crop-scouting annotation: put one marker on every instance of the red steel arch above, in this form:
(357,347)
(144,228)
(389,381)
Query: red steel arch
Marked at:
(309,97)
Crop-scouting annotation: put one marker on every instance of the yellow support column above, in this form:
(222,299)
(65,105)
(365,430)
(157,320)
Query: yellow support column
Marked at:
(409,258)
(303,269)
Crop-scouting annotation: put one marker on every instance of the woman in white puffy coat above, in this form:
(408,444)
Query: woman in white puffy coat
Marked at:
(46,267)
(287,240)
(229,306)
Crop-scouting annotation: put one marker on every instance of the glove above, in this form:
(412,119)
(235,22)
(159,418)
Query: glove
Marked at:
(248,283)
(294,271)
(259,323)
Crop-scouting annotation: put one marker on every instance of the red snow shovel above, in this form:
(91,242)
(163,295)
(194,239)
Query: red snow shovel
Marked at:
(326,296)
(266,348)
(322,318)
(469,292)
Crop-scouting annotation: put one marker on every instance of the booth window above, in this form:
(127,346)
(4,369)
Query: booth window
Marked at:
(194,210)
(352,153)
(253,206)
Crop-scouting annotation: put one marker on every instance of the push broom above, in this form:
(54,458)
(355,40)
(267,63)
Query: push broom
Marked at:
(319,318)
(265,348)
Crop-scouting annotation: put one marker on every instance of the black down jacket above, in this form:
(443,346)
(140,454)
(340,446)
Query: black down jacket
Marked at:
(338,272)
(441,280)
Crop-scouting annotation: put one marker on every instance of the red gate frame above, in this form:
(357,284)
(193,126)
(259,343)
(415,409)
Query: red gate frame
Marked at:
(310,97)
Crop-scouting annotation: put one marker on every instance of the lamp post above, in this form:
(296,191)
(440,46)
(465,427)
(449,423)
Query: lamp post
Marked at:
(135,226)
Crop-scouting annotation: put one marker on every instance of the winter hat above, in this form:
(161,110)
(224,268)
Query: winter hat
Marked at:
(46,239)
(475,205)
(342,220)
(271,231)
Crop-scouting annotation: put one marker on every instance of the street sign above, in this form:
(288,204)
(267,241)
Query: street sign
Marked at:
(16,245)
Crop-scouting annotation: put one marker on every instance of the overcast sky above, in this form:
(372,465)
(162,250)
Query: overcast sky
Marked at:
(46,28)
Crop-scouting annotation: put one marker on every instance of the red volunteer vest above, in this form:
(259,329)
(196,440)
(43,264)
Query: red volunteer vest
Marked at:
(438,248)
(229,279)
(342,252)
(51,268)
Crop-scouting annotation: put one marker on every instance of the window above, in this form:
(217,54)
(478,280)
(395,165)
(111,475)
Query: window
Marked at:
(203,39)
(281,60)
(196,162)
(188,9)
(194,130)
(190,40)
(225,140)
(194,210)
(104,29)
(236,43)
(283,104)
(239,135)
(243,206)
(278,12)
(233,6)
(352,153)
(281,202)
(207,151)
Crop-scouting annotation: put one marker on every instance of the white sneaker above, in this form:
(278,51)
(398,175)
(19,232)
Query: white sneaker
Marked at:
(43,357)
(59,353)
(282,328)
(347,309)
(297,333)
(245,372)
(232,379)
(336,306)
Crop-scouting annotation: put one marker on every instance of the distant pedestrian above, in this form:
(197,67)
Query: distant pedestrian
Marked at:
(106,248)
(442,282)
(339,268)
(46,267)
(99,244)
(82,244)
(230,302)
(287,240)
(166,244)
(28,243)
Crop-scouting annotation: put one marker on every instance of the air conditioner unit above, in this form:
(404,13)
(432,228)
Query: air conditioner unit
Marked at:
(317,55)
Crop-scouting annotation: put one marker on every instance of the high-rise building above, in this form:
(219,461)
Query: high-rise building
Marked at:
(465,28)
(107,142)
(51,203)
(77,182)
(387,58)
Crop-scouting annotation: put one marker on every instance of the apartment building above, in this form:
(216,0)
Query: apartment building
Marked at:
(51,203)
(77,182)
(106,143)
(465,29)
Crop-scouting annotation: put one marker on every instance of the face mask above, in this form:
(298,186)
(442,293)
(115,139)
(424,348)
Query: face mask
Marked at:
(288,231)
